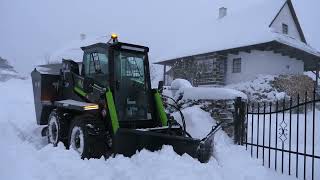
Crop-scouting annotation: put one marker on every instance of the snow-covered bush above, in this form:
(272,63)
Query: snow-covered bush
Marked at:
(270,88)
(293,85)
(260,89)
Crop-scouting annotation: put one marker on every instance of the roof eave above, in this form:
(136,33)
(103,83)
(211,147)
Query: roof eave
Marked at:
(311,60)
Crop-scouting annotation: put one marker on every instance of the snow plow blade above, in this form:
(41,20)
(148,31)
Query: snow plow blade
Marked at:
(128,141)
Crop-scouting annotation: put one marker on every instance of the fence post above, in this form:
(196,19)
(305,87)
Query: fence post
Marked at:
(239,121)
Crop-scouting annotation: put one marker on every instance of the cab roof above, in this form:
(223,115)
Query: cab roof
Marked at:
(122,45)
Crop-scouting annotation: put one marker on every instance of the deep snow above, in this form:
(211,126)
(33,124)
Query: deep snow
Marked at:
(25,155)
(297,141)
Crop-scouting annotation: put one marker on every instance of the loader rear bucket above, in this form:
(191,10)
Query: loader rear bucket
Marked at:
(128,141)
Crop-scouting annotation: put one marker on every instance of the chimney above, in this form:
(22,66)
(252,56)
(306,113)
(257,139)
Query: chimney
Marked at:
(222,12)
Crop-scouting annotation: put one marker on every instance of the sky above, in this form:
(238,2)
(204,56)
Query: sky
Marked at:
(33,30)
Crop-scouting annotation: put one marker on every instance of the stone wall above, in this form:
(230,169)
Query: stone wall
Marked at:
(201,70)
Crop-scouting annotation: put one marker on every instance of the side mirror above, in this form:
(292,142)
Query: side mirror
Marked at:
(160,86)
(88,84)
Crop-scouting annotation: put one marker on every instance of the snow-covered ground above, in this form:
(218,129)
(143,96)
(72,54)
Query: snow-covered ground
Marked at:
(298,136)
(24,154)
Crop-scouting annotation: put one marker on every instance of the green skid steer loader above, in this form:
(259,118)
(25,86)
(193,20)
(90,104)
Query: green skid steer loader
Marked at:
(105,105)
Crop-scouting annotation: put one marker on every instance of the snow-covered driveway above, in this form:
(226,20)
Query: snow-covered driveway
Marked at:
(25,155)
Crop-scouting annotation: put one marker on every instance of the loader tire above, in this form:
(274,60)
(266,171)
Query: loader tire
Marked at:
(87,137)
(57,129)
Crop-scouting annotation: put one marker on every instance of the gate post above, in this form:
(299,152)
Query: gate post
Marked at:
(239,121)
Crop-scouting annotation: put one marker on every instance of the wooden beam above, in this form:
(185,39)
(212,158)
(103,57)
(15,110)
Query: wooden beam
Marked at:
(247,50)
(276,51)
(235,52)
(261,48)
(164,74)
(317,77)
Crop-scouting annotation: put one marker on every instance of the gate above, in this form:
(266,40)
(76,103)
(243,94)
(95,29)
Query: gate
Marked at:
(284,135)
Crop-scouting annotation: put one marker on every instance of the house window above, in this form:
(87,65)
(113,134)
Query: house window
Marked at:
(206,66)
(236,65)
(285,29)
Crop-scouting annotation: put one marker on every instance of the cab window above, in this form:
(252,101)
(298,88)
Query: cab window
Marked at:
(95,63)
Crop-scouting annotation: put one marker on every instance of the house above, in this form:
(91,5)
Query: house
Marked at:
(264,38)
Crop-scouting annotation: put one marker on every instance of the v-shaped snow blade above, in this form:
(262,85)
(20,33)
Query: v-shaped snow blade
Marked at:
(129,141)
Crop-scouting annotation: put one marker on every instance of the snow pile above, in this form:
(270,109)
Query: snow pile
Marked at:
(259,89)
(206,93)
(183,88)
(180,83)
(198,122)
(26,155)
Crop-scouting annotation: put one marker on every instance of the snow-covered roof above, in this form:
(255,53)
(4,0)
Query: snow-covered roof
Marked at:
(239,28)
(191,27)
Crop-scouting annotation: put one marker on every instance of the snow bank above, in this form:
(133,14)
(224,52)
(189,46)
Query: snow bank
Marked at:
(206,93)
(183,87)
(198,122)
(25,155)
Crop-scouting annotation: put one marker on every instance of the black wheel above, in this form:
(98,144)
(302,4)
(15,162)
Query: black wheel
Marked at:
(56,128)
(87,137)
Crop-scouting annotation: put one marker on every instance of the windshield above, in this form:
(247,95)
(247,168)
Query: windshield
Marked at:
(131,86)
(131,66)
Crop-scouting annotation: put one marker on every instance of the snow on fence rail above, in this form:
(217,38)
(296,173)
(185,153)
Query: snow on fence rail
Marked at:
(284,138)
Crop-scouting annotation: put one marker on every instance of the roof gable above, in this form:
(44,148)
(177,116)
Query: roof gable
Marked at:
(287,15)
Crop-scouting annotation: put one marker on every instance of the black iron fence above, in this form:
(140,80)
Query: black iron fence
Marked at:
(284,135)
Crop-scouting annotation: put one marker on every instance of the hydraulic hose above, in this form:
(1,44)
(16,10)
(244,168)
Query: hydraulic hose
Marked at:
(181,114)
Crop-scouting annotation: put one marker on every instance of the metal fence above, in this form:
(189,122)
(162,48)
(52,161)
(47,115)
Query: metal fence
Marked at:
(284,135)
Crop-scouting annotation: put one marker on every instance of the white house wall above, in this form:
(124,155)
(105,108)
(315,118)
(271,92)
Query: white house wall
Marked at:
(286,17)
(262,62)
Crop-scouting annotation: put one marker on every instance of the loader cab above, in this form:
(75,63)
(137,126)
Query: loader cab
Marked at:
(124,68)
